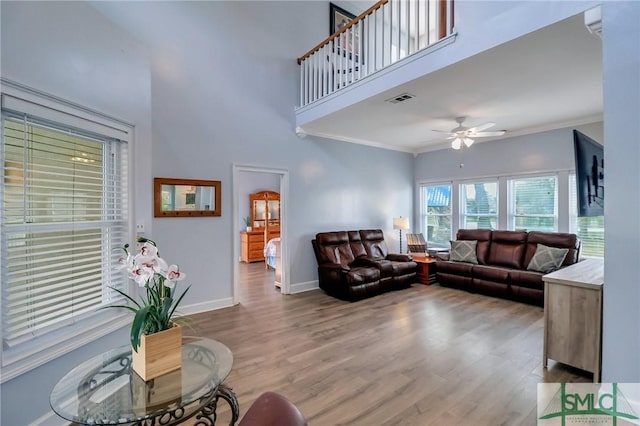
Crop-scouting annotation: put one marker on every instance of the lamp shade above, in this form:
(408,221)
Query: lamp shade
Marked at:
(400,222)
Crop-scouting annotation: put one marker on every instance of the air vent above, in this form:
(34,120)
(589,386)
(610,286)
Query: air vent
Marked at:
(400,98)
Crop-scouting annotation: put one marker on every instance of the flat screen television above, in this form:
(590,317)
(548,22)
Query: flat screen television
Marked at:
(589,175)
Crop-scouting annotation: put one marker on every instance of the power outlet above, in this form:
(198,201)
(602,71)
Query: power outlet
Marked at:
(140,229)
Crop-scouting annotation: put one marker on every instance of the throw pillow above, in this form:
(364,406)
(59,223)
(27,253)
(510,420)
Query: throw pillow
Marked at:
(464,251)
(547,259)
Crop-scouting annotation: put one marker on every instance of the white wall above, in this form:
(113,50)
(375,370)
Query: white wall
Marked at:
(621,71)
(68,50)
(208,85)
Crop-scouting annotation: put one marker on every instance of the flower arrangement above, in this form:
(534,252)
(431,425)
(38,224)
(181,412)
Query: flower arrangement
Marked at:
(155,310)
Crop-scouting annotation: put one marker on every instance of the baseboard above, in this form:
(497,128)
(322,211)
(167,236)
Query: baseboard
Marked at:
(212,305)
(305,286)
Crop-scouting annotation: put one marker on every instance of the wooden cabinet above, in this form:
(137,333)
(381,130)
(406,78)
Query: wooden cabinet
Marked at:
(264,209)
(426,272)
(573,316)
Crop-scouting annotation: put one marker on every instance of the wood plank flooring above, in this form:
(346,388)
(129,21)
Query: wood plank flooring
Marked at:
(427,355)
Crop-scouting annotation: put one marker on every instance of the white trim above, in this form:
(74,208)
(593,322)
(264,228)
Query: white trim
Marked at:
(35,96)
(305,286)
(285,287)
(25,99)
(211,305)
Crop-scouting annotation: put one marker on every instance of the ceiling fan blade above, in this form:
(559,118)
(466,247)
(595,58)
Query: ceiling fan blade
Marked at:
(441,131)
(486,134)
(481,127)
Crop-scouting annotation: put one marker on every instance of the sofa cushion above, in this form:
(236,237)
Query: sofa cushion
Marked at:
(507,249)
(553,239)
(357,276)
(547,259)
(357,247)
(529,279)
(483,237)
(455,268)
(464,251)
(491,273)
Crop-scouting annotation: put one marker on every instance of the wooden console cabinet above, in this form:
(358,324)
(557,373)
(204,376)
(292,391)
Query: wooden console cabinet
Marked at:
(573,316)
(264,207)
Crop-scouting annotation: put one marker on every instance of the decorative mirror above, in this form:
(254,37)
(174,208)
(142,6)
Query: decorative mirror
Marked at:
(186,197)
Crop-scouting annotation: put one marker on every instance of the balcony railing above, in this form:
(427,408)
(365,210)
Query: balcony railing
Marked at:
(385,33)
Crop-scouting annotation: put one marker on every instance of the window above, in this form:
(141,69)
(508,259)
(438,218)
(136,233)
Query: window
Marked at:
(589,229)
(436,213)
(65,219)
(479,205)
(533,204)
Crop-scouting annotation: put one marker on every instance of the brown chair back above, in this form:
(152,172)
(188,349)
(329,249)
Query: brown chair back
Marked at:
(373,241)
(272,409)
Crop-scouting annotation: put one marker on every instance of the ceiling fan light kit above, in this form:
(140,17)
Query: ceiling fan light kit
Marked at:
(463,135)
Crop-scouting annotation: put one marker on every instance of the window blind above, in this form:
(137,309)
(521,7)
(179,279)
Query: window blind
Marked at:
(479,205)
(534,204)
(589,229)
(437,214)
(65,217)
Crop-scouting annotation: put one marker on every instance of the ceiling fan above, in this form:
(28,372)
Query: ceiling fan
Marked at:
(463,135)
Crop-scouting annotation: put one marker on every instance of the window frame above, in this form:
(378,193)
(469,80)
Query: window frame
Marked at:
(89,326)
(463,202)
(424,214)
(574,218)
(511,201)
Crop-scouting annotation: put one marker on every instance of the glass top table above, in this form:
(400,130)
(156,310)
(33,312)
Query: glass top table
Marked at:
(106,390)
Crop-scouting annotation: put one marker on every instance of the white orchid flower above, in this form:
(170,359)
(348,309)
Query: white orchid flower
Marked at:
(126,262)
(173,275)
(148,249)
(141,274)
(161,267)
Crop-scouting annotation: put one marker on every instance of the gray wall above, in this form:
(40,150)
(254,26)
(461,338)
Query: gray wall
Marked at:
(208,85)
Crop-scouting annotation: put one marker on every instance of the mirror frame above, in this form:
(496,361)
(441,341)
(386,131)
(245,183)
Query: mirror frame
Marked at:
(157,197)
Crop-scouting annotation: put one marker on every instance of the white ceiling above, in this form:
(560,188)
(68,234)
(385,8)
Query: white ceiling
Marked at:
(548,79)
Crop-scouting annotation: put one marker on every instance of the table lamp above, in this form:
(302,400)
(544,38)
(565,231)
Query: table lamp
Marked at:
(400,223)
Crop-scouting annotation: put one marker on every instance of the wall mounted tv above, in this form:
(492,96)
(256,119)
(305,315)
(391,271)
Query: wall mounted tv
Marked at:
(589,175)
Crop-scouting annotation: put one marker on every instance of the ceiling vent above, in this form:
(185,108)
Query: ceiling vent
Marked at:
(400,98)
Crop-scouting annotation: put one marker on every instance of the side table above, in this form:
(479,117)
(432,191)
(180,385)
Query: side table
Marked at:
(105,389)
(426,269)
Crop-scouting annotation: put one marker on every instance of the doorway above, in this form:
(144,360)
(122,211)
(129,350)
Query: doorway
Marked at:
(242,174)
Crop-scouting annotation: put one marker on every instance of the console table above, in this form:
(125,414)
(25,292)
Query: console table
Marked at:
(105,389)
(573,316)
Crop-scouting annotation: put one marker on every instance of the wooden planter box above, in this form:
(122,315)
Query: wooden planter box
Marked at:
(158,353)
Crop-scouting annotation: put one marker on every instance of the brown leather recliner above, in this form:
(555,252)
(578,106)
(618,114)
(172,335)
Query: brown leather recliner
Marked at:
(340,273)
(356,264)
(396,270)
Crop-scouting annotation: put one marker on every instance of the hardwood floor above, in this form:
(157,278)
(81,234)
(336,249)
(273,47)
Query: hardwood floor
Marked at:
(427,355)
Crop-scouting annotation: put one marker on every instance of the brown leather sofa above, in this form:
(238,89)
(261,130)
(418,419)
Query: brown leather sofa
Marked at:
(503,257)
(356,264)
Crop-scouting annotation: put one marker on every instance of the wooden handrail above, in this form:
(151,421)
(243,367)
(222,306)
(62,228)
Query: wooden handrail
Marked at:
(335,35)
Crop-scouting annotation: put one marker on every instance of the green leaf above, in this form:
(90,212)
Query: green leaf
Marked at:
(138,326)
(178,301)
